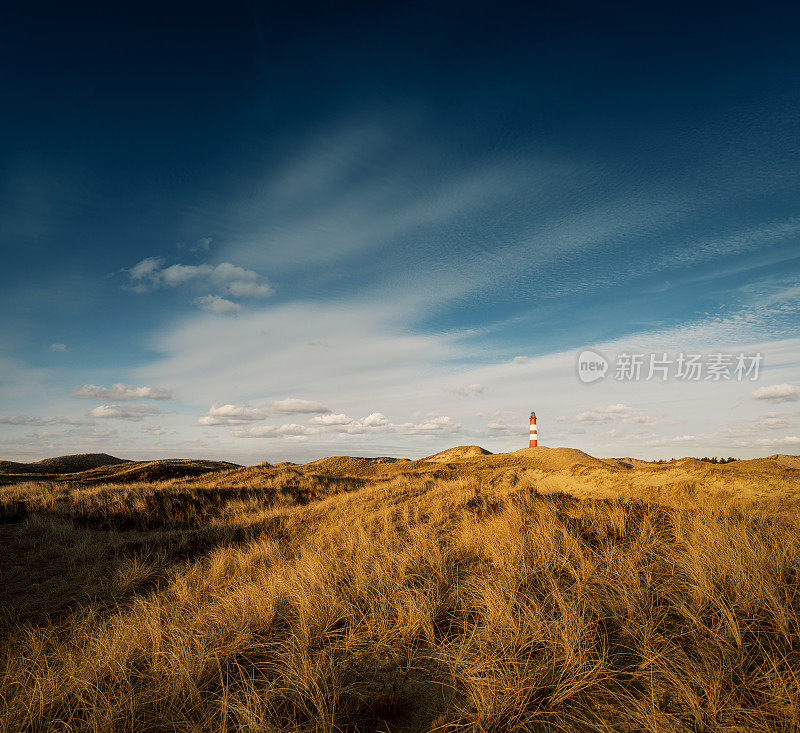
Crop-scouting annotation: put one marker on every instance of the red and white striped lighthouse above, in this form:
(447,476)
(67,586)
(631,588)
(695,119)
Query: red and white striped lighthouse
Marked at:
(534,442)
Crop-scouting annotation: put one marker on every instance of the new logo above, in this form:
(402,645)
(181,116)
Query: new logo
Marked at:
(591,366)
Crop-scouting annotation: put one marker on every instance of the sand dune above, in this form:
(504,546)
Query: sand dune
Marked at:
(62,464)
(542,589)
(458,453)
(102,468)
(566,470)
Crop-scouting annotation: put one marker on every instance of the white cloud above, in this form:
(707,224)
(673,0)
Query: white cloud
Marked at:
(467,390)
(377,361)
(342,425)
(331,419)
(505,427)
(615,413)
(224,277)
(273,431)
(378,420)
(778,393)
(121,392)
(153,429)
(771,421)
(28,420)
(520,360)
(231,415)
(245,289)
(791,440)
(145,269)
(123,412)
(19,420)
(69,421)
(674,440)
(215,304)
(58,347)
(292,406)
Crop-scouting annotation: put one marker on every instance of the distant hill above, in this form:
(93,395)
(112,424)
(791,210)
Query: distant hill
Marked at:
(91,468)
(162,470)
(63,464)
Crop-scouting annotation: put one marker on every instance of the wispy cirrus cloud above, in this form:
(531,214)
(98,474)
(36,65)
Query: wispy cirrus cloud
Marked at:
(30,420)
(778,393)
(295,406)
(615,413)
(19,420)
(199,245)
(771,421)
(467,389)
(237,415)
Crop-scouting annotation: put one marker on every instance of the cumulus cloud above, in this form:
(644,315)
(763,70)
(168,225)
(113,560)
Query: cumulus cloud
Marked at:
(121,392)
(376,420)
(430,425)
(615,413)
(58,347)
(467,390)
(342,425)
(331,419)
(123,412)
(215,304)
(231,415)
(225,277)
(778,393)
(295,406)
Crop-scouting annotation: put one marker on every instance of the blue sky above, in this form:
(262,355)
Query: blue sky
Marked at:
(259,233)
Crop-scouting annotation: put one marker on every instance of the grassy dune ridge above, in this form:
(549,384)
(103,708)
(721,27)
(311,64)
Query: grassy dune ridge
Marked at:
(539,590)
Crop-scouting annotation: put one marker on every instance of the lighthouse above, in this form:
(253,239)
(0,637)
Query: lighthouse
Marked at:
(534,442)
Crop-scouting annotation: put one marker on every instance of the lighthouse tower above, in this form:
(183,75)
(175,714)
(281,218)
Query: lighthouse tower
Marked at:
(534,441)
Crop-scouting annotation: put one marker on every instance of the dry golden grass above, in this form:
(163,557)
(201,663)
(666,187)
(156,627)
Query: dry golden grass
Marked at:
(323,598)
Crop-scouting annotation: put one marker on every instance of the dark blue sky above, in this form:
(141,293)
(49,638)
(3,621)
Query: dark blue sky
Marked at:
(467,182)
